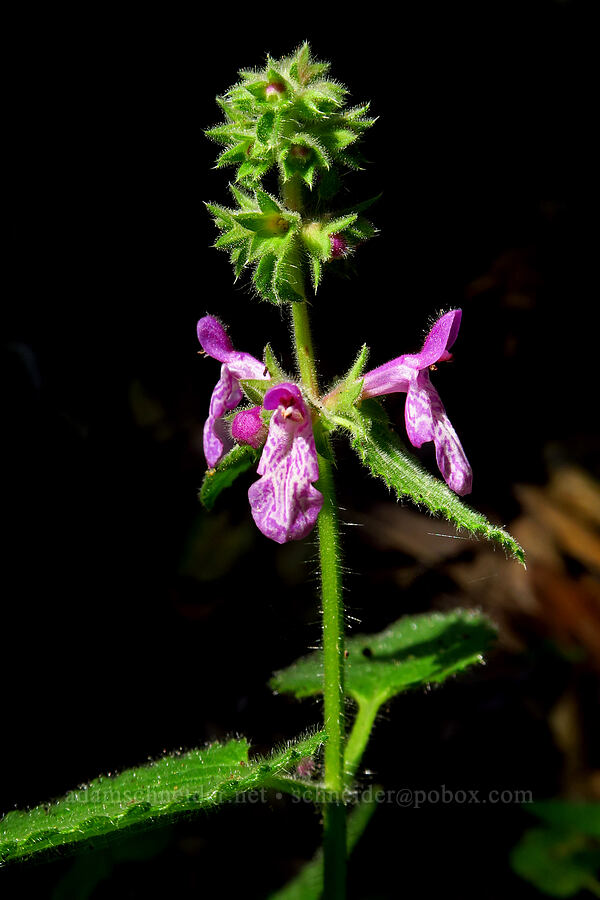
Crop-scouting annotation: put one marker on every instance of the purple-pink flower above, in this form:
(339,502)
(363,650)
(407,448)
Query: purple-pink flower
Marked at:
(284,503)
(227,393)
(426,418)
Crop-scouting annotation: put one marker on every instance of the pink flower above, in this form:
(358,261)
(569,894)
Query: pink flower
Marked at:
(227,393)
(426,418)
(284,503)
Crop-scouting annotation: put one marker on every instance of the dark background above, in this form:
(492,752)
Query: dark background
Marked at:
(132,621)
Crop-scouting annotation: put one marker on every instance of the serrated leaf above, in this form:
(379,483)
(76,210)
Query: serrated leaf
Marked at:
(382,451)
(234,464)
(415,650)
(154,794)
(308,885)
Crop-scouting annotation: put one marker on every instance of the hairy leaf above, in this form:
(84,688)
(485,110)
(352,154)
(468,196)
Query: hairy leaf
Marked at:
(154,794)
(382,451)
(413,651)
(237,461)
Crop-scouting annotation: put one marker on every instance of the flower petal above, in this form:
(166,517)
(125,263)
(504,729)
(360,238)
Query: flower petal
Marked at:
(226,396)
(284,503)
(440,338)
(427,420)
(390,378)
(216,343)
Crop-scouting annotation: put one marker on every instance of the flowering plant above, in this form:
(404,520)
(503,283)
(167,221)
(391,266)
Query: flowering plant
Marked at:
(290,123)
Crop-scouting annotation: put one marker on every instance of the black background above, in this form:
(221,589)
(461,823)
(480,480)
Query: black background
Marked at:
(134,623)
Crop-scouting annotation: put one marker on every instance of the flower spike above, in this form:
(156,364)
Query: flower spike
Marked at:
(284,503)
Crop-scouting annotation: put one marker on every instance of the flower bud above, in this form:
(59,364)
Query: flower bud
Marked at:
(299,151)
(248,428)
(274,90)
(339,245)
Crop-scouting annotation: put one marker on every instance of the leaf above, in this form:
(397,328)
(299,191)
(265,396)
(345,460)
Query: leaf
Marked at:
(558,863)
(237,461)
(382,451)
(275,371)
(255,389)
(263,275)
(569,815)
(315,272)
(345,394)
(264,128)
(340,224)
(267,203)
(154,794)
(308,885)
(415,650)
(245,202)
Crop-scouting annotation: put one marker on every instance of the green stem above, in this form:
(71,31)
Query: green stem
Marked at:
(359,736)
(334,839)
(305,355)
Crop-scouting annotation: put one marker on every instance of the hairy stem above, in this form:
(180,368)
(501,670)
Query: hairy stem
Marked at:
(305,356)
(334,842)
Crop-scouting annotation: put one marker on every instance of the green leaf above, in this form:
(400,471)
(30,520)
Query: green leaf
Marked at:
(255,389)
(414,651)
(245,201)
(239,258)
(237,461)
(569,815)
(275,371)
(267,203)
(154,794)
(264,224)
(340,224)
(344,395)
(308,885)
(264,128)
(382,451)
(263,275)
(315,272)
(558,863)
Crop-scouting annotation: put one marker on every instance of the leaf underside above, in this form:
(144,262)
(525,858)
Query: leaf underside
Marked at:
(414,651)
(234,464)
(172,787)
(382,451)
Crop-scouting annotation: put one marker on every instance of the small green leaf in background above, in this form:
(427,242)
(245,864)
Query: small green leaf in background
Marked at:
(564,857)
(234,464)
(308,884)
(154,794)
(382,451)
(415,650)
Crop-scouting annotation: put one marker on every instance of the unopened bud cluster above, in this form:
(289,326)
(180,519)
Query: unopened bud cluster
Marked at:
(289,123)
